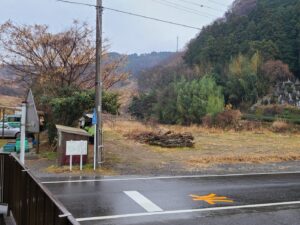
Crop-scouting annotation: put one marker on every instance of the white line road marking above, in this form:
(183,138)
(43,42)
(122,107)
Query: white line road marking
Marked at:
(187,211)
(143,201)
(167,177)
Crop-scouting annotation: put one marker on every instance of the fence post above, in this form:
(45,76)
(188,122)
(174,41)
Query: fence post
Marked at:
(7,182)
(24,193)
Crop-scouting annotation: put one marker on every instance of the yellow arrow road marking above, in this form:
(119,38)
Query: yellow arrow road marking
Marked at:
(211,198)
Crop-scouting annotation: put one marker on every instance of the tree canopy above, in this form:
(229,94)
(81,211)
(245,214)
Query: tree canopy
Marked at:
(271,27)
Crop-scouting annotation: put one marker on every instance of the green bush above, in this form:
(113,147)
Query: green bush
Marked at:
(69,107)
(141,106)
(182,102)
(110,103)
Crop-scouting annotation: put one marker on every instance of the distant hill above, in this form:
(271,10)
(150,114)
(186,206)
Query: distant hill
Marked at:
(271,27)
(7,86)
(138,63)
(135,65)
(6,73)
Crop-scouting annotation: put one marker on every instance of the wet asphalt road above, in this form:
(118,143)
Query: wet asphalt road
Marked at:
(269,199)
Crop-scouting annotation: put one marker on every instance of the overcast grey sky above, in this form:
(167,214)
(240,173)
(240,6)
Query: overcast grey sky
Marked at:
(126,34)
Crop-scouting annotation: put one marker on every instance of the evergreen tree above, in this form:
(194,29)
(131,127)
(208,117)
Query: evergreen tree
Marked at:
(184,102)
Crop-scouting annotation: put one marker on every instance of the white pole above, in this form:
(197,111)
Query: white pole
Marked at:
(95,147)
(23,133)
(71,163)
(81,162)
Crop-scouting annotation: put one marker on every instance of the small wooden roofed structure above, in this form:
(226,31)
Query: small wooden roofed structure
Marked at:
(65,134)
(72,130)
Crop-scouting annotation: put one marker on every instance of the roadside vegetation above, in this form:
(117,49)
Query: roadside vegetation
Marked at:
(213,147)
(221,74)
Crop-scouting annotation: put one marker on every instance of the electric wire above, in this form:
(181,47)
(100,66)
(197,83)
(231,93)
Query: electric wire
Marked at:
(200,5)
(217,3)
(133,14)
(184,8)
(76,3)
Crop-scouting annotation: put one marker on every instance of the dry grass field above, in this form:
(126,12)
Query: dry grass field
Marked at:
(215,151)
(212,147)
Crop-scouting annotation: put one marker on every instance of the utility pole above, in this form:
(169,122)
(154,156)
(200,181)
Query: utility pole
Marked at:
(98,86)
(177,44)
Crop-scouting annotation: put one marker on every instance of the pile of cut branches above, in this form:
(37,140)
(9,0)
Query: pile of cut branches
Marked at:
(166,140)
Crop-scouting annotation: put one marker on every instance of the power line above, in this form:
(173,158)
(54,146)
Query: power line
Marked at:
(133,14)
(184,8)
(200,5)
(77,3)
(176,7)
(173,5)
(218,3)
(152,18)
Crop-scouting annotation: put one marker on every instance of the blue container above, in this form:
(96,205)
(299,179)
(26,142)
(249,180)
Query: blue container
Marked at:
(10,147)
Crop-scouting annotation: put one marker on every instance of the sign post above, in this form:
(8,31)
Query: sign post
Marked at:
(23,133)
(94,122)
(76,148)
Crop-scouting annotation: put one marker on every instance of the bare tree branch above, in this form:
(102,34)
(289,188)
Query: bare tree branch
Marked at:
(42,59)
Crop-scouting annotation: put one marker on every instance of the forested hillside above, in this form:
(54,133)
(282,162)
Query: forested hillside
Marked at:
(233,63)
(271,27)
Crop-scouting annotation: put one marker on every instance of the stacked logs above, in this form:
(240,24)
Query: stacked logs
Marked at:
(167,140)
